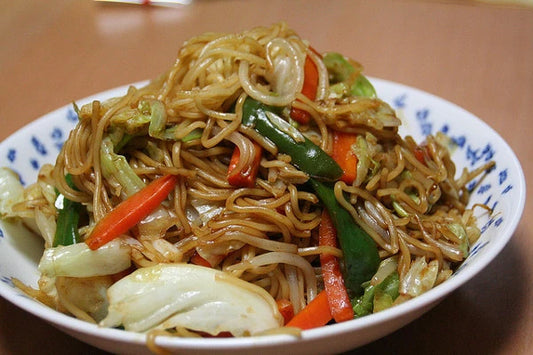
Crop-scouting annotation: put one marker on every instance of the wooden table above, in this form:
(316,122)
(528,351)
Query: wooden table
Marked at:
(478,56)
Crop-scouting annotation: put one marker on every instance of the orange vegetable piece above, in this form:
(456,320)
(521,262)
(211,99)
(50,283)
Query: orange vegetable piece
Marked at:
(344,156)
(309,89)
(246,177)
(315,314)
(131,211)
(339,301)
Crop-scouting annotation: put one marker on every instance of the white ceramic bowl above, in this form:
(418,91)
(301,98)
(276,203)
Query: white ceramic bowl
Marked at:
(503,190)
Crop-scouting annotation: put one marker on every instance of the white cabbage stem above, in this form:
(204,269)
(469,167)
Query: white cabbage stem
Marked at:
(11,191)
(78,260)
(190,296)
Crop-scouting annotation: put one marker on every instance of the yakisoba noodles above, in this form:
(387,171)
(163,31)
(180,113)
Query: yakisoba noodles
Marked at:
(238,147)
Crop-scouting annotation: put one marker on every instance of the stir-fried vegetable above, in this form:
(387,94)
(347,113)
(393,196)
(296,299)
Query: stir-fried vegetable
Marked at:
(420,278)
(197,259)
(364,304)
(421,154)
(77,260)
(305,155)
(195,297)
(286,309)
(245,177)
(309,90)
(381,291)
(68,217)
(377,297)
(386,292)
(339,301)
(85,294)
(115,167)
(344,156)
(339,69)
(131,211)
(148,118)
(316,314)
(362,87)
(11,191)
(460,233)
(360,253)
(345,77)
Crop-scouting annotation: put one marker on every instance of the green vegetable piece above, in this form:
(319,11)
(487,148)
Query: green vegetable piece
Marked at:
(150,117)
(131,121)
(379,297)
(194,134)
(460,232)
(305,155)
(364,304)
(400,211)
(158,120)
(68,218)
(337,91)
(362,87)
(119,138)
(339,68)
(116,166)
(342,74)
(386,292)
(360,253)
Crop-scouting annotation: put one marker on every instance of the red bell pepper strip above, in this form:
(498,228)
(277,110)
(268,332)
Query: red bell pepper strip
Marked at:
(309,89)
(344,156)
(286,309)
(246,177)
(421,153)
(131,211)
(339,301)
(315,314)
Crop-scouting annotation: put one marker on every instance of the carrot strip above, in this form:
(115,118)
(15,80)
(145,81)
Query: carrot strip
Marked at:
(212,260)
(339,301)
(246,177)
(344,156)
(197,259)
(309,89)
(286,309)
(315,314)
(131,211)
